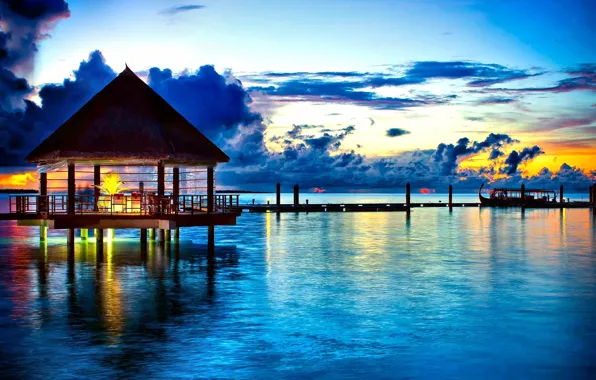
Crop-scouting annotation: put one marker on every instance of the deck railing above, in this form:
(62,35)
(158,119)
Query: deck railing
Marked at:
(122,204)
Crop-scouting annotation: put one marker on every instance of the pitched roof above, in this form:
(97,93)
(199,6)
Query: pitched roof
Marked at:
(127,120)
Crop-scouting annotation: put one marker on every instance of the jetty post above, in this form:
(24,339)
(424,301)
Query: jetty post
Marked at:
(523,197)
(408,197)
(296,195)
(562,198)
(591,194)
(594,200)
(450,197)
(278,195)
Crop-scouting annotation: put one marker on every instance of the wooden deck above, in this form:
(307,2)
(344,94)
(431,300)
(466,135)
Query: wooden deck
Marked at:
(64,221)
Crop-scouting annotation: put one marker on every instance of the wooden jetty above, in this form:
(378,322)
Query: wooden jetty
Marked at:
(296,206)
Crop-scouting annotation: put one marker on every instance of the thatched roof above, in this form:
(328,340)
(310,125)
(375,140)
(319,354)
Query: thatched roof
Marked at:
(127,120)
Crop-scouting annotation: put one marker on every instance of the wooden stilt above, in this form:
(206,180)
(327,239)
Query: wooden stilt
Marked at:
(561,196)
(43,233)
(99,236)
(450,197)
(177,234)
(168,235)
(162,236)
(523,197)
(278,195)
(408,197)
(143,235)
(84,232)
(151,233)
(211,241)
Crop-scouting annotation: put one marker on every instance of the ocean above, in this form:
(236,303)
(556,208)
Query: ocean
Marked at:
(475,293)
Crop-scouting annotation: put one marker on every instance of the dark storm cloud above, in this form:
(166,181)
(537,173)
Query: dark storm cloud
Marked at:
(396,132)
(181,8)
(514,159)
(474,118)
(447,155)
(24,24)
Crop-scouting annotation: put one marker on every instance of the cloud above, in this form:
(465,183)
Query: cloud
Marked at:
(447,155)
(582,78)
(514,159)
(474,118)
(496,100)
(181,8)
(484,74)
(396,132)
(24,25)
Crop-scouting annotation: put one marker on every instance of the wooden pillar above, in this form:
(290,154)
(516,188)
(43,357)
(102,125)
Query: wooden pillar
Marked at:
(211,241)
(43,233)
(151,233)
(43,192)
(96,183)
(143,235)
(168,235)
(591,194)
(161,179)
(71,189)
(594,200)
(70,236)
(98,236)
(561,195)
(177,234)
(523,196)
(162,236)
(84,233)
(296,195)
(175,188)
(210,190)
(450,197)
(278,195)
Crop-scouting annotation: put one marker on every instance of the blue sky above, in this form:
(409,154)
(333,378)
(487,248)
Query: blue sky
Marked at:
(439,71)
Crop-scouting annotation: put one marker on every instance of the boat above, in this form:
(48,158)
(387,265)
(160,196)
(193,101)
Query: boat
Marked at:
(511,197)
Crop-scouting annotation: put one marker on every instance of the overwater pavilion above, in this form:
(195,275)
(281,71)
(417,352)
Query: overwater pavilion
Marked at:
(126,159)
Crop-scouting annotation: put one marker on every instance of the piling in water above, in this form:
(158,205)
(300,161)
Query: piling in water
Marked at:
(450,197)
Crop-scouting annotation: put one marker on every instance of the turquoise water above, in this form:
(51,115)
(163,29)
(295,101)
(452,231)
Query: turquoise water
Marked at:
(476,293)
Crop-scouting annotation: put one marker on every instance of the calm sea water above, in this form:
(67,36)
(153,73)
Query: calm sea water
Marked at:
(476,293)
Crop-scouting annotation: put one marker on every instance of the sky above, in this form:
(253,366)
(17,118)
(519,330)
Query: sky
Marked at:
(345,95)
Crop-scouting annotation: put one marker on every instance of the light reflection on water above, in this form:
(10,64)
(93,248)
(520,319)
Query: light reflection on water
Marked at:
(472,293)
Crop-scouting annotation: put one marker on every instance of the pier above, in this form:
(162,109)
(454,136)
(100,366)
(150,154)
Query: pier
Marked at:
(406,206)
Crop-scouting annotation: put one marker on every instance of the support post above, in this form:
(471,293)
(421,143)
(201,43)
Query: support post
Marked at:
(408,197)
(296,195)
(523,196)
(43,233)
(211,241)
(450,197)
(96,183)
(143,235)
(177,234)
(151,233)
(594,200)
(43,192)
(175,188)
(162,236)
(98,236)
(591,194)
(278,195)
(168,235)
(70,236)
(71,189)
(561,195)
(84,232)
(210,190)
